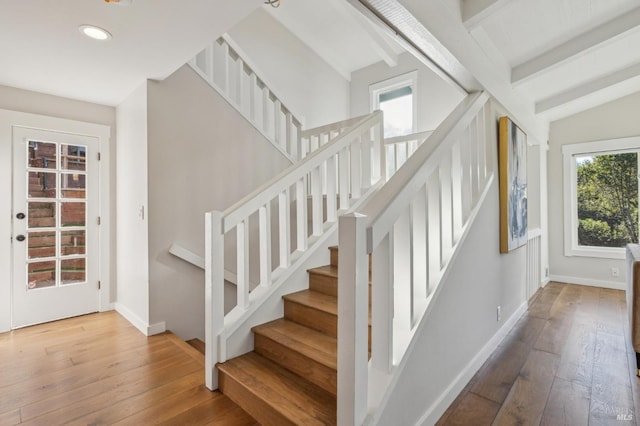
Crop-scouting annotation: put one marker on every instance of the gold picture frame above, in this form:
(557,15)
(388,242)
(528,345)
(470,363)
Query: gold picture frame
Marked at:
(512,159)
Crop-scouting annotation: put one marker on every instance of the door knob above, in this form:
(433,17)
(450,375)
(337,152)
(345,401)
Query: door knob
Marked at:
(20,216)
(20,238)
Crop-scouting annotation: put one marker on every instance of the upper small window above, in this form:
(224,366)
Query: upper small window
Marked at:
(601,212)
(397,99)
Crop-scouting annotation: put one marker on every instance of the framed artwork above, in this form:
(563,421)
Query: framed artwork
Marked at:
(512,159)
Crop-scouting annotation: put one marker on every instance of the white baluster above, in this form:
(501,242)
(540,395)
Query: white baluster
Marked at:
(446,213)
(473,145)
(264,219)
(465,160)
(284,228)
(277,110)
(434,232)
(226,65)
(419,249)
(253,87)
(331,190)
(355,168)
(242,234)
(343,172)
(316,201)
(456,188)
(366,160)
(292,148)
(265,110)
(301,214)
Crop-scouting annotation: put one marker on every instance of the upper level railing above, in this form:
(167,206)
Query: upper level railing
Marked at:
(223,65)
(412,227)
(267,233)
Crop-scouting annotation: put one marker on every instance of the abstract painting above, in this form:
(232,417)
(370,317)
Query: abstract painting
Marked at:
(512,158)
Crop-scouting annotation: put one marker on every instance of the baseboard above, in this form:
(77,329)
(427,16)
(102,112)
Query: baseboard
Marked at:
(589,282)
(433,414)
(144,327)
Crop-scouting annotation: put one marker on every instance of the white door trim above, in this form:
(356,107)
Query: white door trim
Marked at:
(9,119)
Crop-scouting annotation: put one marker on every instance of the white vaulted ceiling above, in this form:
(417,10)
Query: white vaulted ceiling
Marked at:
(566,55)
(41,48)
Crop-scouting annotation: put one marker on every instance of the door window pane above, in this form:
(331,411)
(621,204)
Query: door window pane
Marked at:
(73,185)
(42,155)
(72,242)
(73,271)
(72,214)
(73,157)
(41,274)
(42,185)
(41,215)
(41,244)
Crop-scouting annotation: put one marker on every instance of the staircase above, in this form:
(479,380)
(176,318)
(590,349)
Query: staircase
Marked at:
(406,228)
(290,377)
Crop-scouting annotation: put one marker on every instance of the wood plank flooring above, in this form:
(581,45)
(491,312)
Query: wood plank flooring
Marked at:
(568,361)
(98,369)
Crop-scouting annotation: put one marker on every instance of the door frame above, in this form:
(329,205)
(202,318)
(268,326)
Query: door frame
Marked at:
(9,120)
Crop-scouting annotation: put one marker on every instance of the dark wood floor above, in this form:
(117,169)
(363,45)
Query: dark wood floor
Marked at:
(568,361)
(98,369)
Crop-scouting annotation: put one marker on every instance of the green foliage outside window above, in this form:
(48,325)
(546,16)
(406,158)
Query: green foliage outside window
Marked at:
(608,200)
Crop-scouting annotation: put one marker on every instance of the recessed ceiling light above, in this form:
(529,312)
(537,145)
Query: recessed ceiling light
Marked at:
(94,32)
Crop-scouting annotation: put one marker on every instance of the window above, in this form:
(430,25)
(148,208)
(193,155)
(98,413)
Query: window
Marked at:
(601,202)
(397,99)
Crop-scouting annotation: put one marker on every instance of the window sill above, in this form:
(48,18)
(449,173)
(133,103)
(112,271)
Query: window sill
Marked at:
(599,252)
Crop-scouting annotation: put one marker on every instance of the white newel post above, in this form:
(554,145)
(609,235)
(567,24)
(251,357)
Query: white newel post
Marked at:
(214,295)
(353,307)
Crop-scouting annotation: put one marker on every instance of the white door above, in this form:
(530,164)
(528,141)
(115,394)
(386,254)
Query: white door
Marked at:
(55,226)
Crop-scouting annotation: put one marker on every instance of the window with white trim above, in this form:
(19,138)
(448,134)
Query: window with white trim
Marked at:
(397,99)
(601,197)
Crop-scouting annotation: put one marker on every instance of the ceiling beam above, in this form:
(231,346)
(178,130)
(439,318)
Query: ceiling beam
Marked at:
(587,88)
(437,32)
(476,11)
(579,45)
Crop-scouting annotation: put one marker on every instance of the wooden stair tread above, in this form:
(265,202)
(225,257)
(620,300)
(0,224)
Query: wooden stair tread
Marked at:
(198,344)
(314,299)
(327,270)
(295,399)
(304,340)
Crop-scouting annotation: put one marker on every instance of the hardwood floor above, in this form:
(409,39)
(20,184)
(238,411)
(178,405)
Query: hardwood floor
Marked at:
(98,369)
(568,361)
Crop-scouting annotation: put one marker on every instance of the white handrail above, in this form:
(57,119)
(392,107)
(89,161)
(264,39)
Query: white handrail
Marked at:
(226,68)
(412,228)
(352,166)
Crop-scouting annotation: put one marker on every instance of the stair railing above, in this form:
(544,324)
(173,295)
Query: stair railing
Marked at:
(223,65)
(399,148)
(412,227)
(266,249)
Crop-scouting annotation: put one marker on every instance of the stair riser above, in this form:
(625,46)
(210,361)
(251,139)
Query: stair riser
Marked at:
(318,320)
(334,258)
(318,374)
(256,407)
(323,284)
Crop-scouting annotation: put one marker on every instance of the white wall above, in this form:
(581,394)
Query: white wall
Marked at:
(132,233)
(436,98)
(202,156)
(448,351)
(616,119)
(304,82)
(52,106)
